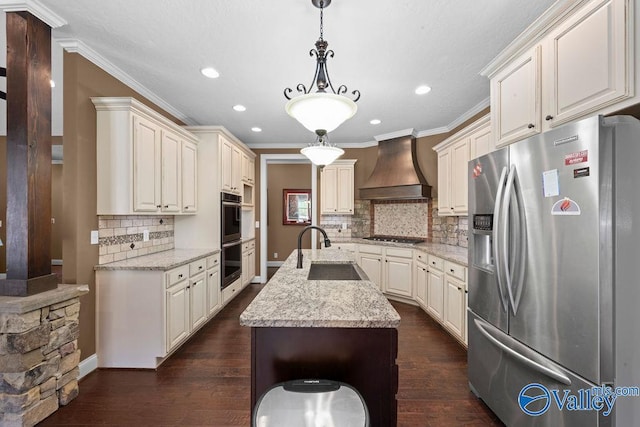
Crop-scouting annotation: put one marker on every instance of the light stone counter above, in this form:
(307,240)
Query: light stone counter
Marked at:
(165,260)
(290,300)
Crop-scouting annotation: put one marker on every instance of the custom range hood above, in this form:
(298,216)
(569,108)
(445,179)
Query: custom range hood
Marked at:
(396,174)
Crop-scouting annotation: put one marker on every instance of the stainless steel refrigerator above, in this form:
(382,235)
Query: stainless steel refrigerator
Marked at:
(554,276)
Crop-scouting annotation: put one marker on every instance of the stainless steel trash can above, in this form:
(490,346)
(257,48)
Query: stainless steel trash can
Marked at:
(311,403)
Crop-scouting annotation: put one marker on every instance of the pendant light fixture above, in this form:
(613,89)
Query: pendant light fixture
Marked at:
(321,153)
(321,111)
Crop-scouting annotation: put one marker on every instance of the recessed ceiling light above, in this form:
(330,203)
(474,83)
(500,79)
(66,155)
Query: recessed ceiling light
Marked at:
(210,72)
(375,122)
(421,90)
(256,129)
(52,83)
(239,107)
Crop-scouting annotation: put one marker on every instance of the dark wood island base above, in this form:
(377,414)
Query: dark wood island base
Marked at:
(365,358)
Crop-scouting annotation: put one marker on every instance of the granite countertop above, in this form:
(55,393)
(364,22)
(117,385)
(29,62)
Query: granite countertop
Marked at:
(165,260)
(290,300)
(456,254)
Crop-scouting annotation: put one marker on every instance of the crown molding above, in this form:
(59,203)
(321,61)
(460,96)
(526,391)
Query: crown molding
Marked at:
(77,46)
(396,134)
(532,34)
(470,113)
(35,8)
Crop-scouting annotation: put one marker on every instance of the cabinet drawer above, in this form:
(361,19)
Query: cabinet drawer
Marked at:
(213,261)
(248,245)
(197,266)
(455,270)
(370,249)
(435,262)
(420,256)
(400,253)
(177,275)
(230,291)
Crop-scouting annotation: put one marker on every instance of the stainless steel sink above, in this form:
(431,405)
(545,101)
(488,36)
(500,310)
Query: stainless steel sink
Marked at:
(321,271)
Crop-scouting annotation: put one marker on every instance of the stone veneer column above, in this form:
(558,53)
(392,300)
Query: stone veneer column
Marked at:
(39,354)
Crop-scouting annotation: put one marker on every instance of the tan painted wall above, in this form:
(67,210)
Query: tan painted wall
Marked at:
(283,239)
(82,80)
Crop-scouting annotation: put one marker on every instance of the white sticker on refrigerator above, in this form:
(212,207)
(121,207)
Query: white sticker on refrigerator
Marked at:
(550,184)
(565,206)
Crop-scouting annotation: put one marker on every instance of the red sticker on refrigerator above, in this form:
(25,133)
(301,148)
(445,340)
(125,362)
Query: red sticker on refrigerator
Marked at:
(577,157)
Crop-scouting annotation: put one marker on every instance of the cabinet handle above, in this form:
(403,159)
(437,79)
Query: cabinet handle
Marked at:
(211,275)
(459,288)
(166,206)
(186,208)
(424,269)
(200,268)
(158,206)
(549,117)
(179,276)
(531,125)
(452,270)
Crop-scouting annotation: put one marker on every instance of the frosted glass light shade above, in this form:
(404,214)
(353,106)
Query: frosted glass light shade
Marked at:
(322,155)
(321,110)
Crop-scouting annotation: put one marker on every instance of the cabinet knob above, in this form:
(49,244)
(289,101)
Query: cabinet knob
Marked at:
(158,206)
(186,208)
(179,276)
(549,117)
(200,268)
(531,125)
(451,270)
(166,206)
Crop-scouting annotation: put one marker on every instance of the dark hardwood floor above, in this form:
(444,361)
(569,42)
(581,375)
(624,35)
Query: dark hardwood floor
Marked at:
(207,381)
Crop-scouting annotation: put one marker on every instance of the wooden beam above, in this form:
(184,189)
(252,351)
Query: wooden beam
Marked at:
(28,156)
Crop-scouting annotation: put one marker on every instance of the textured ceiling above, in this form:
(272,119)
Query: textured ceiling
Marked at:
(385,49)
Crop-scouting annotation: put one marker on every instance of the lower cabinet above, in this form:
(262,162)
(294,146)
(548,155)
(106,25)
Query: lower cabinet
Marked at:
(144,315)
(421,280)
(397,272)
(248,262)
(438,286)
(369,259)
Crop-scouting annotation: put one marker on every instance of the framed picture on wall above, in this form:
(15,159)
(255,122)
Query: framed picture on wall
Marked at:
(296,208)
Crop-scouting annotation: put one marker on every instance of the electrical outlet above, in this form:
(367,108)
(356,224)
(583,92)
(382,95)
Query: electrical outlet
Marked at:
(145,235)
(94,237)
(275,255)
(257,224)
(344,225)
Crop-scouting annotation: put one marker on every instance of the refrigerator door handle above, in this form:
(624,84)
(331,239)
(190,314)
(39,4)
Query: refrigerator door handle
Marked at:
(504,235)
(539,367)
(496,239)
(521,234)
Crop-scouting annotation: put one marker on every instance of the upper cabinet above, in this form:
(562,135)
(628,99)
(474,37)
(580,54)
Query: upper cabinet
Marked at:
(231,166)
(248,168)
(336,188)
(140,163)
(576,60)
(454,154)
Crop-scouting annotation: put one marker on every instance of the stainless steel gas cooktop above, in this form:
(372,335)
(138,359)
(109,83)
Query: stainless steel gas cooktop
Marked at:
(410,240)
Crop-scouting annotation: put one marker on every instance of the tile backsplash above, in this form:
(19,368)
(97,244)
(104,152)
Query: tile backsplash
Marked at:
(450,230)
(121,236)
(401,219)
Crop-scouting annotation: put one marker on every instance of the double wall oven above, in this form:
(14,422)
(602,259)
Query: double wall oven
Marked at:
(231,238)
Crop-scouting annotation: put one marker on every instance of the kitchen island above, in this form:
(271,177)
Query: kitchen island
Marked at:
(343,330)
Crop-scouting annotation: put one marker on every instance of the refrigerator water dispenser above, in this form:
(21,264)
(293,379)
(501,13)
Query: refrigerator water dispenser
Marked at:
(483,242)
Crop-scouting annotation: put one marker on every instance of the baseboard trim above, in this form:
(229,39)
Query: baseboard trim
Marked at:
(56,262)
(88,365)
(274,263)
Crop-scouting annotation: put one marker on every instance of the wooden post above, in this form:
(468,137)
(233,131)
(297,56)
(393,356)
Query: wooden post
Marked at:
(28,157)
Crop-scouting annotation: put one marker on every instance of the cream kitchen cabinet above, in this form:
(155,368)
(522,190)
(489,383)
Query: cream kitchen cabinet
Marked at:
(454,154)
(455,306)
(139,160)
(398,270)
(230,166)
(578,63)
(337,187)
(420,279)
(369,259)
(214,298)
(189,173)
(248,262)
(435,288)
(248,169)
(144,315)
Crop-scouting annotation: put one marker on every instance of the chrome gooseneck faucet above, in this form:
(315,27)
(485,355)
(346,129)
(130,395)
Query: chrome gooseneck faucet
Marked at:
(327,242)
